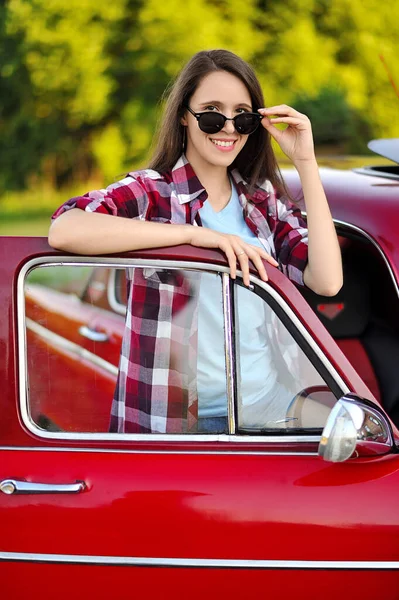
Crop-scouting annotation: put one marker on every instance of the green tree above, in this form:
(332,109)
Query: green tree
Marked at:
(56,65)
(81,81)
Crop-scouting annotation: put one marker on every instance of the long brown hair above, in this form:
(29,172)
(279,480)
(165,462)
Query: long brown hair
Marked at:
(256,161)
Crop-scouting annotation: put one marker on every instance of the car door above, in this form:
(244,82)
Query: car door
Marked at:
(255,512)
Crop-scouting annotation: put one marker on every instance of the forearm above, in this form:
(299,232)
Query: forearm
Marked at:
(323,274)
(95,233)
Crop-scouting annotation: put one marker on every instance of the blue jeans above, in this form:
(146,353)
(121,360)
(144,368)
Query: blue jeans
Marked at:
(212,425)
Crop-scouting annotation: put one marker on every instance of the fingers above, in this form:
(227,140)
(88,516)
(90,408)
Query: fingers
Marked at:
(271,260)
(288,120)
(236,250)
(240,251)
(283,114)
(243,259)
(277,134)
(256,254)
(231,256)
(282,110)
(257,261)
(246,252)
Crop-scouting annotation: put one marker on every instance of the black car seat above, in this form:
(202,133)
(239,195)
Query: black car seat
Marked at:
(382,345)
(369,344)
(346,316)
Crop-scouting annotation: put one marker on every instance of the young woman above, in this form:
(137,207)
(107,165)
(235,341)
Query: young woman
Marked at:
(214,180)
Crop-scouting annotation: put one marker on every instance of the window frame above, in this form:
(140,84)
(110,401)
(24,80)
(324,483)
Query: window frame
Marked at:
(317,359)
(314,358)
(289,316)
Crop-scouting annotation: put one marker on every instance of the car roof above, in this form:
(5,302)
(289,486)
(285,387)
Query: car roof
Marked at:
(361,201)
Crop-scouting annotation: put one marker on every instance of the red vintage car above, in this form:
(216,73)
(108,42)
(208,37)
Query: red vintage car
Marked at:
(301,507)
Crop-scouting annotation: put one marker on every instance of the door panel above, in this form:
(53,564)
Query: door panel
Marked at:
(221,506)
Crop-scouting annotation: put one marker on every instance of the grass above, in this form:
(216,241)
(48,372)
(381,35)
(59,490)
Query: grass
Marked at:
(30,227)
(28,213)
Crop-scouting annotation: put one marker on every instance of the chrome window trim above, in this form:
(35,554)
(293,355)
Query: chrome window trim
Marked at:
(50,261)
(207,563)
(203,451)
(228,325)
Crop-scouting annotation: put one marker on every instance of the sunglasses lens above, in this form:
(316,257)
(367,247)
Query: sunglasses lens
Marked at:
(247,123)
(210,122)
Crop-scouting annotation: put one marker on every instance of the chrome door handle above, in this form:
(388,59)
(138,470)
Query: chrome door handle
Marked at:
(92,334)
(18,486)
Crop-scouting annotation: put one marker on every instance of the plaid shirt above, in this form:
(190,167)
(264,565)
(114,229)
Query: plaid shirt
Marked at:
(156,386)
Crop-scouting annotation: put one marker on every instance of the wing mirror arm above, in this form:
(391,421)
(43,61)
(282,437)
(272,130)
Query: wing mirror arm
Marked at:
(355,427)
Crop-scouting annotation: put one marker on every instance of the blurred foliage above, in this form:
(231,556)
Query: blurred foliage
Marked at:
(334,121)
(28,212)
(82,81)
(330,114)
(70,280)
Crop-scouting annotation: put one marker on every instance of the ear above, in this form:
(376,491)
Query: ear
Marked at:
(183,119)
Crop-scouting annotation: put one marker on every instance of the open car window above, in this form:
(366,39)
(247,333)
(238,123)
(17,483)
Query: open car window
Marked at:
(152,350)
(295,395)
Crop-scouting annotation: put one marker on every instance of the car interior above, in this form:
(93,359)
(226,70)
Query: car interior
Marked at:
(363,318)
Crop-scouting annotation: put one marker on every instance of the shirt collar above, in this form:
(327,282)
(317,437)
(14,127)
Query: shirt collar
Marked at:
(260,194)
(187,184)
(189,187)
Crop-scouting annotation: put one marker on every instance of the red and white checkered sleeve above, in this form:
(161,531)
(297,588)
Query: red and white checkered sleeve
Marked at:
(290,239)
(126,198)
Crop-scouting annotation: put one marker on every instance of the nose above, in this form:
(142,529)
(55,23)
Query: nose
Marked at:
(229,127)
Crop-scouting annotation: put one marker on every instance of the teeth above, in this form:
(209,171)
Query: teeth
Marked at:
(225,144)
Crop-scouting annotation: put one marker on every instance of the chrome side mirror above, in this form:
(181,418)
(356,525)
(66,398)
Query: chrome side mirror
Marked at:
(355,427)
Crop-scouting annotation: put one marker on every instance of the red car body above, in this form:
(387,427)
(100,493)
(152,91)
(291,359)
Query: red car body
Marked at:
(188,518)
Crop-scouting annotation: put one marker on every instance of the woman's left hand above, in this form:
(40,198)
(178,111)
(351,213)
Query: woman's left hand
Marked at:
(296,141)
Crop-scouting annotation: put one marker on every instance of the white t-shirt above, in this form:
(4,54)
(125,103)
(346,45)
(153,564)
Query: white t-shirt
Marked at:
(257,375)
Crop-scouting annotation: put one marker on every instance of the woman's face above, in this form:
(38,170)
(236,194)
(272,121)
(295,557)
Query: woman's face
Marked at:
(222,92)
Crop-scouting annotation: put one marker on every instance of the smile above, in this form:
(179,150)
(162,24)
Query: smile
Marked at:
(224,144)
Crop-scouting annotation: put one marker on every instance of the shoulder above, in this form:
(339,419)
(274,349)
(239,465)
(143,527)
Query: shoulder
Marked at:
(148,178)
(143,183)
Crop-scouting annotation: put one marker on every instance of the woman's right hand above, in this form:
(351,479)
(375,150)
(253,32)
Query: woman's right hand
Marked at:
(235,249)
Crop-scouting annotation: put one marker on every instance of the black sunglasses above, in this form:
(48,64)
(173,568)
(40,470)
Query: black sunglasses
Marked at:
(212,122)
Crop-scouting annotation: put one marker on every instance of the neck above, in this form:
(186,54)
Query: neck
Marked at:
(214,178)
